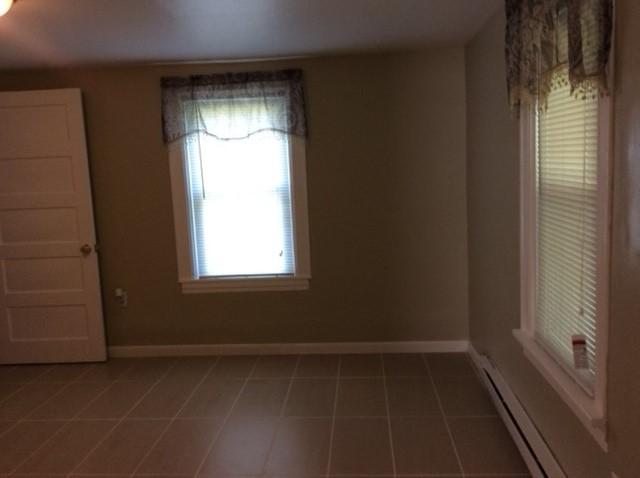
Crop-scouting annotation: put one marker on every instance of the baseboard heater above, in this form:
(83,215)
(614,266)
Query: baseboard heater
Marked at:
(534,450)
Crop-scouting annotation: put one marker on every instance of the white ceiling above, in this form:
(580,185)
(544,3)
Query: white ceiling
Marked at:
(64,32)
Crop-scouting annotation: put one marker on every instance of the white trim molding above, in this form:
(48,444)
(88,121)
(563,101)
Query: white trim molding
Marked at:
(188,278)
(435,346)
(590,411)
(532,446)
(587,402)
(197,286)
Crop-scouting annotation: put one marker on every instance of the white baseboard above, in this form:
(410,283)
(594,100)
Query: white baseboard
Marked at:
(434,346)
(534,450)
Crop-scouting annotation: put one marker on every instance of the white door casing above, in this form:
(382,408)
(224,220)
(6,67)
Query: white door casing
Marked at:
(50,305)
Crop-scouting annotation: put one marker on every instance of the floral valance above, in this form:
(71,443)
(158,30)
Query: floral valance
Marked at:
(233,105)
(545,39)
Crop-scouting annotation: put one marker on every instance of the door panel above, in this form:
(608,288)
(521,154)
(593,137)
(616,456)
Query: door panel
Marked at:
(36,175)
(33,130)
(48,322)
(32,275)
(50,307)
(39,225)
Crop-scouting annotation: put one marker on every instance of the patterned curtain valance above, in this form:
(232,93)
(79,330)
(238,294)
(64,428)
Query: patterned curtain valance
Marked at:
(233,105)
(548,37)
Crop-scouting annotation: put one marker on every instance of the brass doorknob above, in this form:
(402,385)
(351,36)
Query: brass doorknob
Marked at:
(85,249)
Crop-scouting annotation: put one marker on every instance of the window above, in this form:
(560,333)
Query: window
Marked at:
(240,197)
(565,201)
(566,156)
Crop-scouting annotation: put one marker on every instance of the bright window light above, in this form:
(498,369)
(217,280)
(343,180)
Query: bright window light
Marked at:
(240,194)
(5,6)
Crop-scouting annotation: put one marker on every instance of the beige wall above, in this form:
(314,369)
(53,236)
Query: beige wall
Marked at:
(386,169)
(624,331)
(493,254)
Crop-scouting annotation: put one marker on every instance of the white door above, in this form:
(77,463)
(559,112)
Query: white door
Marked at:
(50,308)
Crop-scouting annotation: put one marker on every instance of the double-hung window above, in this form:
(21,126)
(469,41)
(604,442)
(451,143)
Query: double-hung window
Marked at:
(557,58)
(239,187)
(565,204)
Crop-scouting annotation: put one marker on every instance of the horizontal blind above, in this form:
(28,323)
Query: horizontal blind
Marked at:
(240,197)
(567,195)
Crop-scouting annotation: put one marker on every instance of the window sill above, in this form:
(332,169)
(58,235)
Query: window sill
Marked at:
(589,410)
(256,284)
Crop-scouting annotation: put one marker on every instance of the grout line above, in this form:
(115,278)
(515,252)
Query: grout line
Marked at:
(11,427)
(45,369)
(226,419)
(386,404)
(333,418)
(417,475)
(422,475)
(308,377)
(33,381)
(129,419)
(281,416)
(20,385)
(176,415)
(353,475)
(65,385)
(117,378)
(258,377)
(471,417)
(73,419)
(497,475)
(316,417)
(88,366)
(124,416)
(309,475)
(154,384)
(280,378)
(78,379)
(286,397)
(23,384)
(51,398)
(110,383)
(444,417)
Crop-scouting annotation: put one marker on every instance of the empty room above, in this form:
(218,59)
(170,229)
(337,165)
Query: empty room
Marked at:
(319,238)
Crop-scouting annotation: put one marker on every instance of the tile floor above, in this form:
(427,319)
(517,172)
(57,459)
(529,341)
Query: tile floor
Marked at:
(270,416)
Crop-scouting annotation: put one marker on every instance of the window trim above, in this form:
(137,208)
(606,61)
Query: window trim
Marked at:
(590,409)
(189,282)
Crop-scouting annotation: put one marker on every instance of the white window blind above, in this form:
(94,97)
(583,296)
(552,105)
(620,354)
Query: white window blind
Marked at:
(567,215)
(240,197)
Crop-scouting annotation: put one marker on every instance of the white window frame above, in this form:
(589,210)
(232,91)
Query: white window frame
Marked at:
(187,277)
(589,408)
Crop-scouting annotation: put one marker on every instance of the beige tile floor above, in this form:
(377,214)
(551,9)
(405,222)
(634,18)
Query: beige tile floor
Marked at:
(270,416)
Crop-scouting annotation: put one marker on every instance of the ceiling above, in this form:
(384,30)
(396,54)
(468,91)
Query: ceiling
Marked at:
(41,33)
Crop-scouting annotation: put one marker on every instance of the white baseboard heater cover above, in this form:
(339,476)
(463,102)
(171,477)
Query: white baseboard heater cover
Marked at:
(534,450)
